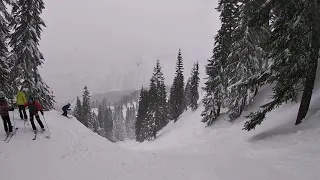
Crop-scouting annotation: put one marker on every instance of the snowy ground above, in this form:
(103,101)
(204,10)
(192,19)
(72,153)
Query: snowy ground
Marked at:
(185,150)
(277,149)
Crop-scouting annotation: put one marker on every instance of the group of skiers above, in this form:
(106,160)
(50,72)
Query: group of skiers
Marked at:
(22,102)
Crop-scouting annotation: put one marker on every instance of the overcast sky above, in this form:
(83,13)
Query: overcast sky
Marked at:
(98,42)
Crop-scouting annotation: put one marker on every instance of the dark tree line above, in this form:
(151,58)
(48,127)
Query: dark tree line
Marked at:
(106,120)
(156,109)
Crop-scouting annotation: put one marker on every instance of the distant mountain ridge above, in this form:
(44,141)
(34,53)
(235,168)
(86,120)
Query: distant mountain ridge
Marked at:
(112,97)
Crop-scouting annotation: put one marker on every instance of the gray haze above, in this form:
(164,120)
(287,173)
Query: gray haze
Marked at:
(98,42)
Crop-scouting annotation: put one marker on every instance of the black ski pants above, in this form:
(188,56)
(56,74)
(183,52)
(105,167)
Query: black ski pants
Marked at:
(65,112)
(7,123)
(22,111)
(32,121)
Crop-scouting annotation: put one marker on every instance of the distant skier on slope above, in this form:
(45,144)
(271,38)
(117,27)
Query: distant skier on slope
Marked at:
(34,107)
(4,112)
(21,100)
(65,109)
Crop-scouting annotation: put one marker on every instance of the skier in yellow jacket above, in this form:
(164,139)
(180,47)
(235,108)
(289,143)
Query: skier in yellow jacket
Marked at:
(21,100)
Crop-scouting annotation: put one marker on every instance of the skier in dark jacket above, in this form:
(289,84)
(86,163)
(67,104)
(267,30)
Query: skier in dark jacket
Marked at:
(34,107)
(65,109)
(4,112)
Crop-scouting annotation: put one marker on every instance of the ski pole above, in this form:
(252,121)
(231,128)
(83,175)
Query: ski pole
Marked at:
(46,124)
(11,102)
(24,124)
(14,122)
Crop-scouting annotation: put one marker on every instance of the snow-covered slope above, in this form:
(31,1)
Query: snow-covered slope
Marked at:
(277,149)
(76,153)
(183,151)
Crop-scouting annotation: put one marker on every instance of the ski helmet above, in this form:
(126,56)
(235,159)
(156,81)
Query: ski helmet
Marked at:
(30,99)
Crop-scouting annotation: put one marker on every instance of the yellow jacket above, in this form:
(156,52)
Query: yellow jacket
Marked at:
(21,98)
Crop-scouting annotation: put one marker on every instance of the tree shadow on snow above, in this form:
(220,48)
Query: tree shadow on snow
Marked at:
(310,122)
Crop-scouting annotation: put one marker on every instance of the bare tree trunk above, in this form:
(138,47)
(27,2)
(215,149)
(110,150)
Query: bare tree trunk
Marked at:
(312,65)
(218,110)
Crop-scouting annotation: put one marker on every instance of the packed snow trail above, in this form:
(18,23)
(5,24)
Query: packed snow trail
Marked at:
(74,152)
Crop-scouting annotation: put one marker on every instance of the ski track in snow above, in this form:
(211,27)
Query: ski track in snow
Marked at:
(185,150)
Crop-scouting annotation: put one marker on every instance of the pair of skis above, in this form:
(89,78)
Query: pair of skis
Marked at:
(9,136)
(36,134)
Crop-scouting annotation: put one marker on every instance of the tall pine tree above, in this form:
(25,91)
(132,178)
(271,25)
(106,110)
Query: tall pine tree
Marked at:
(127,120)
(25,55)
(152,106)
(77,112)
(130,120)
(94,123)
(119,125)
(187,94)
(5,86)
(158,108)
(143,121)
(294,46)
(177,97)
(247,60)
(216,84)
(101,120)
(100,114)
(194,85)
(86,107)
(108,124)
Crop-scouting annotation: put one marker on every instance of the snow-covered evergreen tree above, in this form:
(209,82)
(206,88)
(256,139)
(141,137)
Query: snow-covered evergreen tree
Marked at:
(247,60)
(216,84)
(100,119)
(94,123)
(108,124)
(158,100)
(116,123)
(132,120)
(119,125)
(162,112)
(153,98)
(187,94)
(86,107)
(104,103)
(25,56)
(294,46)
(127,120)
(194,86)
(177,97)
(77,112)
(143,122)
(101,115)
(5,85)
